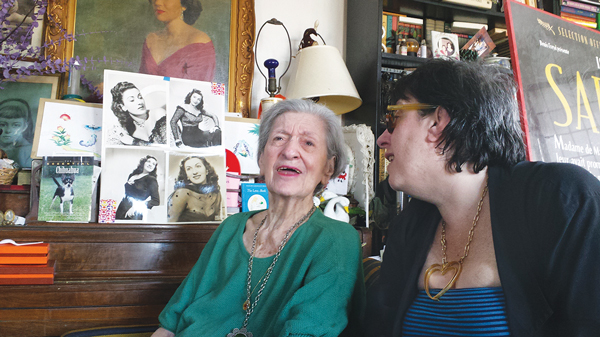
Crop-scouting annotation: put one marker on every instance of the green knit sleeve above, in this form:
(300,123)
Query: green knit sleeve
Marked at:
(185,294)
(333,294)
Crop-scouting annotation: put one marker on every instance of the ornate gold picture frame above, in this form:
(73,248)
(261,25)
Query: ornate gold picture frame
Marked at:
(62,16)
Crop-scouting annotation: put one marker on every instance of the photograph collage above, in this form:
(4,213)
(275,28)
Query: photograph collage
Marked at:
(162,153)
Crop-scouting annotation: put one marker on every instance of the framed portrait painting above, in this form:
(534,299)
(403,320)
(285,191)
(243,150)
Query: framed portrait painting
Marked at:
(19,103)
(215,44)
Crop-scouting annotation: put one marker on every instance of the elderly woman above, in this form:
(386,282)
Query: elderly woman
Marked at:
(199,128)
(285,271)
(179,50)
(137,124)
(197,195)
(490,244)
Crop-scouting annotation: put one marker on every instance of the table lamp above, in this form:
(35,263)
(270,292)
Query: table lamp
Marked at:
(322,76)
(272,85)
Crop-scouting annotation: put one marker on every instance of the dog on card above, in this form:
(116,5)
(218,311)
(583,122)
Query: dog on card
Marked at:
(64,192)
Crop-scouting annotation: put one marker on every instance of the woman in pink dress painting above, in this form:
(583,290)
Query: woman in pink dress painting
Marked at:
(179,50)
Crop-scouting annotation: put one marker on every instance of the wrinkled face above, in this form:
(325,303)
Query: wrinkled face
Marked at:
(133,102)
(149,165)
(195,99)
(195,171)
(12,128)
(167,10)
(294,160)
(405,149)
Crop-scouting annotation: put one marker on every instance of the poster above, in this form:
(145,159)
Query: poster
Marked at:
(557,67)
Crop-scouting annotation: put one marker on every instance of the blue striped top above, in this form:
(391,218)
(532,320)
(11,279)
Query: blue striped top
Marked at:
(459,312)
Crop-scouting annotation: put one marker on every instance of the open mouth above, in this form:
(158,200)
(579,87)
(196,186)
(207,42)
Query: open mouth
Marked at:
(287,169)
(390,158)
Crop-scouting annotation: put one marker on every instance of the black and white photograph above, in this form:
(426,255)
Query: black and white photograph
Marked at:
(196,115)
(134,109)
(22,17)
(196,186)
(134,182)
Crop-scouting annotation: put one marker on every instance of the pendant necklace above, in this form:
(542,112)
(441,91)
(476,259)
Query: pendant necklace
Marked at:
(249,306)
(452,265)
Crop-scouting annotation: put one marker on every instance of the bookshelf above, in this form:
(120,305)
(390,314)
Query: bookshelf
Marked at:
(365,60)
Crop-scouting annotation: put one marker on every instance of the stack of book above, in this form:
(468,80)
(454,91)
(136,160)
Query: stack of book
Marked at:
(583,12)
(25,264)
(500,38)
(435,25)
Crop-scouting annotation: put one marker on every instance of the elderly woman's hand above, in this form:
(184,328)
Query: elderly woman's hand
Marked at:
(162,332)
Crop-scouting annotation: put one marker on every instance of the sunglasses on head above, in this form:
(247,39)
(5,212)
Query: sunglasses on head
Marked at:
(389,119)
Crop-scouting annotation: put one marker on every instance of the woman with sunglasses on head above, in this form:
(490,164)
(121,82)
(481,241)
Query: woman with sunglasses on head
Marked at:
(490,244)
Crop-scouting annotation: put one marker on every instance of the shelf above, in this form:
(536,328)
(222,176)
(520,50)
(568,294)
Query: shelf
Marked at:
(450,12)
(401,61)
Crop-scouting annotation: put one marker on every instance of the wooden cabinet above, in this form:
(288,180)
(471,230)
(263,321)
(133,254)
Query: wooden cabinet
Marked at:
(105,275)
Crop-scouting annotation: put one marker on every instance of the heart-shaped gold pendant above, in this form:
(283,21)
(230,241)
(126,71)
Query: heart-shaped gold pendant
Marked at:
(454,265)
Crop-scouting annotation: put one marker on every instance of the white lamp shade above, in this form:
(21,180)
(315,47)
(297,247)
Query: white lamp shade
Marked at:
(321,73)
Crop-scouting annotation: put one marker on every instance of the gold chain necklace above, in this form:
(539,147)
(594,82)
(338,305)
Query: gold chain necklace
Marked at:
(248,306)
(452,265)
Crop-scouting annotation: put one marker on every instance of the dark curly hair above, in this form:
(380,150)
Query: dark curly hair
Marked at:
(484,127)
(117,102)
(188,99)
(140,168)
(211,175)
(193,9)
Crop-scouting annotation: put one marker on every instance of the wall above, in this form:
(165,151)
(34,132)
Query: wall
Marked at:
(296,16)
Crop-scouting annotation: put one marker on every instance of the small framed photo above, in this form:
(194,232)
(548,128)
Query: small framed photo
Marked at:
(445,45)
(481,43)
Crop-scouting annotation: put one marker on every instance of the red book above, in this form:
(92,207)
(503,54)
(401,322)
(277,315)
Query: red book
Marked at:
(28,268)
(39,248)
(577,17)
(26,278)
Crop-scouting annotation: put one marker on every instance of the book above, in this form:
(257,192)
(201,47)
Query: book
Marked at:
(23,259)
(484,4)
(582,23)
(577,11)
(255,196)
(577,17)
(38,248)
(47,268)
(384,32)
(467,27)
(66,188)
(497,34)
(531,3)
(586,7)
(389,35)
